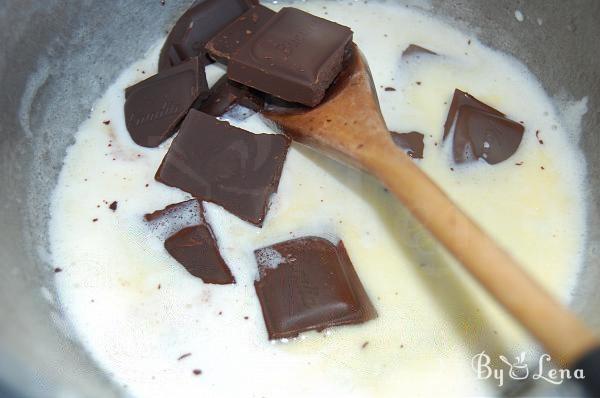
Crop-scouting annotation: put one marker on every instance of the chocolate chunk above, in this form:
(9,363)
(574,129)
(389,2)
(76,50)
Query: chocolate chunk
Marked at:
(412,142)
(483,135)
(190,240)
(237,33)
(231,167)
(459,99)
(480,131)
(195,27)
(414,49)
(295,56)
(155,107)
(226,94)
(195,248)
(309,284)
(113,206)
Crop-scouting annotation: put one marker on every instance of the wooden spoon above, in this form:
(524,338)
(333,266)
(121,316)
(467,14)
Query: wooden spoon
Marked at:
(348,125)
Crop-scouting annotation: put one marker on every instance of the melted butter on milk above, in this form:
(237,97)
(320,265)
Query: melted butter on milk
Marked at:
(432,317)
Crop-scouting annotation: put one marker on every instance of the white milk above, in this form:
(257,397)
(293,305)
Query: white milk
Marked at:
(432,317)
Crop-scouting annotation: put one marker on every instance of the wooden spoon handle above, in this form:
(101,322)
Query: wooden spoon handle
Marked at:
(563,335)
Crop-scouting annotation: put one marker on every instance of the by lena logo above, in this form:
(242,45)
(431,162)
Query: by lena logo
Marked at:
(519,369)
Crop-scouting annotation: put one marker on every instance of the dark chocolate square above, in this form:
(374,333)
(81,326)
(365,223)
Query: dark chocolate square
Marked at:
(309,284)
(237,33)
(195,27)
(191,241)
(295,56)
(155,107)
(219,163)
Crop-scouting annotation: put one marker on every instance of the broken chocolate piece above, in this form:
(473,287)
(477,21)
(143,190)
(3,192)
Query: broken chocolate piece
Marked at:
(459,99)
(309,284)
(480,131)
(155,107)
(189,240)
(414,49)
(237,33)
(226,94)
(295,56)
(493,138)
(412,142)
(196,249)
(231,167)
(195,27)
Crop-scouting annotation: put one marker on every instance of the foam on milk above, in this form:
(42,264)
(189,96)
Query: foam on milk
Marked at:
(137,310)
(269,257)
(171,221)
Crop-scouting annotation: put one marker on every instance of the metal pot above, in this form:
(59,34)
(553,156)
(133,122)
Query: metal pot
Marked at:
(58,56)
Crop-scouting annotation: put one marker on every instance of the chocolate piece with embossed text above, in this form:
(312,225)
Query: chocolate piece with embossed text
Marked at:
(295,56)
(309,283)
(231,167)
(155,107)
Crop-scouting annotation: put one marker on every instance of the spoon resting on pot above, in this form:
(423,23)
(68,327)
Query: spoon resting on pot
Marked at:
(348,125)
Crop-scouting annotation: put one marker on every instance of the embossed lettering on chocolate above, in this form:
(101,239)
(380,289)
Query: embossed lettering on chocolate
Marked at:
(231,167)
(295,56)
(155,107)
